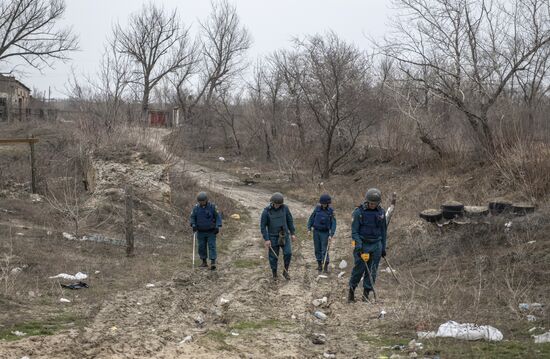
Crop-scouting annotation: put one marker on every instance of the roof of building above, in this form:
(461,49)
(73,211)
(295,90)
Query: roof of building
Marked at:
(12,78)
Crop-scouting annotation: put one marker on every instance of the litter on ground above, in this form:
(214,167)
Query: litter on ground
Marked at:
(543,338)
(64,300)
(78,276)
(468,331)
(320,315)
(343,264)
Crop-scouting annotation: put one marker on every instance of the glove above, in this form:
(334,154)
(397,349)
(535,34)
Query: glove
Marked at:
(365,257)
(217,230)
(194,229)
(383,253)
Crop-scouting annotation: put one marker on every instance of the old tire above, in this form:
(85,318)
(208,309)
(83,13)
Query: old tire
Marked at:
(521,209)
(476,211)
(452,210)
(431,215)
(498,206)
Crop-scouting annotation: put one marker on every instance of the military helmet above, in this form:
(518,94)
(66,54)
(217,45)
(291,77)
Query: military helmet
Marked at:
(202,196)
(325,199)
(277,198)
(373,196)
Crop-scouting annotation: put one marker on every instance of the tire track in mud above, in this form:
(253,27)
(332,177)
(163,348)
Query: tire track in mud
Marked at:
(271,320)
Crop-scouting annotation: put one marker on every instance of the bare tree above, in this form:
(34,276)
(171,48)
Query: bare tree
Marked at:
(226,107)
(467,52)
(28,32)
(224,43)
(159,45)
(334,86)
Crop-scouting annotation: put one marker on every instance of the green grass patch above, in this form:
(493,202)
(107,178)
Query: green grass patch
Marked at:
(47,326)
(452,348)
(267,323)
(247,263)
(219,337)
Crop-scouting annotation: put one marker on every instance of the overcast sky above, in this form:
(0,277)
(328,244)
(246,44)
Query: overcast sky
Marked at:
(272,24)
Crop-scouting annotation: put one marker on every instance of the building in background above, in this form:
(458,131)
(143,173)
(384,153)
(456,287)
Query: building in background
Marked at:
(14,99)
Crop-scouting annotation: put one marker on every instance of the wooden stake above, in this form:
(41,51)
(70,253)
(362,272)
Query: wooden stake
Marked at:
(33,165)
(129,222)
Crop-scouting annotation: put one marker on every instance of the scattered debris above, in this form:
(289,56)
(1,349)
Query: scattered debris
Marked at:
(162,237)
(413,355)
(468,331)
(322,276)
(235,334)
(19,234)
(78,285)
(64,300)
(97,272)
(235,216)
(35,198)
(341,274)
(293,317)
(528,306)
(320,315)
(382,314)
(78,276)
(16,270)
(543,338)
(425,335)
(318,338)
(343,264)
(199,320)
(18,333)
(507,226)
(389,270)
(399,347)
(69,236)
(224,301)
(149,285)
(318,302)
(329,355)
(221,158)
(114,328)
(531,318)
(185,340)
(531,242)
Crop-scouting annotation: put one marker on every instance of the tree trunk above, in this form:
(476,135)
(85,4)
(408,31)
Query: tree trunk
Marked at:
(145,105)
(325,174)
(267,147)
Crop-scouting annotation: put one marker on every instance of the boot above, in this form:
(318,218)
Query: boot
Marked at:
(319,266)
(203,264)
(213,264)
(326,267)
(275,277)
(285,274)
(351,295)
(365,295)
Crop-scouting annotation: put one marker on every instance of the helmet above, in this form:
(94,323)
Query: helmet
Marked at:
(373,196)
(277,198)
(325,199)
(202,196)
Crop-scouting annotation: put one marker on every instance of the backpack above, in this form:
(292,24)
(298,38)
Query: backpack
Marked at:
(206,217)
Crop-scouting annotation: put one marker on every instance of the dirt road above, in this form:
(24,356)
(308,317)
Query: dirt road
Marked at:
(235,312)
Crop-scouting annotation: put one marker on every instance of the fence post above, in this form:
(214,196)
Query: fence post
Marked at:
(33,166)
(129,222)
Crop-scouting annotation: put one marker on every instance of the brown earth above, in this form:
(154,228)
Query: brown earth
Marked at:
(260,319)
